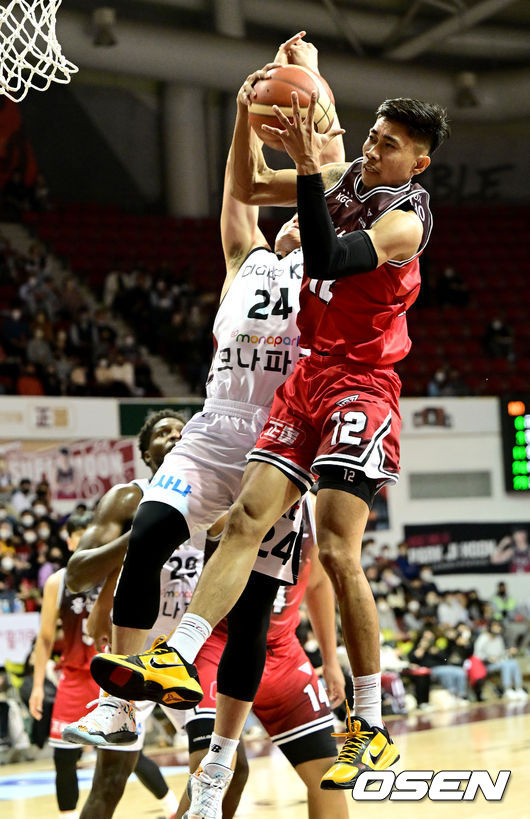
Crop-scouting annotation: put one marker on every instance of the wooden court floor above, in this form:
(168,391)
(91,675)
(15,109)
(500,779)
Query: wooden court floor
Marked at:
(479,738)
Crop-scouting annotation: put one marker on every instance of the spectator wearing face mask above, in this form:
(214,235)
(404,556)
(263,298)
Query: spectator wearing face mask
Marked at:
(412,619)
(21,498)
(53,562)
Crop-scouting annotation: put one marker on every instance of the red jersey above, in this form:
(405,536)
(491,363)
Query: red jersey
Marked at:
(363,317)
(73,610)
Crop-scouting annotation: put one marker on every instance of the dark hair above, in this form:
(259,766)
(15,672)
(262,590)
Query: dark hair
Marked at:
(424,120)
(76,522)
(144,436)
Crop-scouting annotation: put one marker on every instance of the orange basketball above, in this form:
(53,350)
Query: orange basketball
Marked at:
(276,90)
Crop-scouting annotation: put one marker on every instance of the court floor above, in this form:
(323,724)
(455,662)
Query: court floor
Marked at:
(491,738)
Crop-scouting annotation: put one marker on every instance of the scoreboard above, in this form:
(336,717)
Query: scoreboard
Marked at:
(515,425)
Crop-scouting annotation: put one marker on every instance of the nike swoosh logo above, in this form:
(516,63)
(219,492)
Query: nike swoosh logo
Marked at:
(375,759)
(153,663)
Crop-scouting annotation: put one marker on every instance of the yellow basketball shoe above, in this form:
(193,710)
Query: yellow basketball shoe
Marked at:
(160,675)
(366,748)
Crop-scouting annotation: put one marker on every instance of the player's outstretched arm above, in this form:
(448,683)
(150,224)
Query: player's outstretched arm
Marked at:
(240,232)
(44,643)
(104,544)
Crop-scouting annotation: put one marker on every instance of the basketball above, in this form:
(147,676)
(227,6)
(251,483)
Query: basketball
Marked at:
(276,90)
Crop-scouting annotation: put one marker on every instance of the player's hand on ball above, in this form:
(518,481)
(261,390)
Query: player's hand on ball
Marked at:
(304,54)
(283,55)
(299,137)
(246,93)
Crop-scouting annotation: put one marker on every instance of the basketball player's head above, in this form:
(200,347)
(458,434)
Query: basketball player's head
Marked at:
(402,140)
(288,237)
(76,525)
(159,435)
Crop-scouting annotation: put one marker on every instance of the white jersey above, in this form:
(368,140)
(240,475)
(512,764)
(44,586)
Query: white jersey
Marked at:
(255,333)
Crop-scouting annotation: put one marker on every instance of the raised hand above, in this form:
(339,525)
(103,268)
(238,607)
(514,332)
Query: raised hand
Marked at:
(299,137)
(284,53)
(246,93)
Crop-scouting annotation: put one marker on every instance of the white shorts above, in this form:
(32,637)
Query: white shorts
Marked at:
(201,478)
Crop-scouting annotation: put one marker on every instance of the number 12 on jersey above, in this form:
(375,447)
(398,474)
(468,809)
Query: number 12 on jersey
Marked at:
(322,289)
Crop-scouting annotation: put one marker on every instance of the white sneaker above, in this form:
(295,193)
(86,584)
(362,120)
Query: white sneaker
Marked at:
(511,694)
(206,791)
(521,694)
(111,723)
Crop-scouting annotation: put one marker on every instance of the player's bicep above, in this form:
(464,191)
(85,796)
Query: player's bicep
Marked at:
(397,236)
(274,188)
(115,509)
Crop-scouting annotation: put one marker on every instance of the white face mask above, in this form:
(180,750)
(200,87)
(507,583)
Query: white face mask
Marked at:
(6,532)
(8,564)
(3,514)
(43,532)
(30,536)
(40,510)
(27,520)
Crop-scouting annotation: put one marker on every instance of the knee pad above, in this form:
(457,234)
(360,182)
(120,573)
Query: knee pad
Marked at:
(156,532)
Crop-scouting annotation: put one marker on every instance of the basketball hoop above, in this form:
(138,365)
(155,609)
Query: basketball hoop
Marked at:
(30,55)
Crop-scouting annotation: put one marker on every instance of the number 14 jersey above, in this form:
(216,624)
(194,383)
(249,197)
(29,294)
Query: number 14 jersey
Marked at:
(256,339)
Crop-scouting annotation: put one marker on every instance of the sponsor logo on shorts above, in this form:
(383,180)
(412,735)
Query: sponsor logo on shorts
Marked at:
(277,430)
(345,401)
(172,483)
(444,786)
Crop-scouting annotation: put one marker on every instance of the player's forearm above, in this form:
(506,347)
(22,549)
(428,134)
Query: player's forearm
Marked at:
(105,600)
(88,567)
(251,180)
(43,650)
(326,255)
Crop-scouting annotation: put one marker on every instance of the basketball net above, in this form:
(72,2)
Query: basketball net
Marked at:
(30,55)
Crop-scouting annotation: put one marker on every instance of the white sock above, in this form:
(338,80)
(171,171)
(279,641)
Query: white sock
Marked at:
(367,699)
(220,752)
(190,636)
(169,804)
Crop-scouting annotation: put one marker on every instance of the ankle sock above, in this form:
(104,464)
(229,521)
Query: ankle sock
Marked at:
(190,636)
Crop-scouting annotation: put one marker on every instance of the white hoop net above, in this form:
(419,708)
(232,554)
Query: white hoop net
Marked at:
(30,55)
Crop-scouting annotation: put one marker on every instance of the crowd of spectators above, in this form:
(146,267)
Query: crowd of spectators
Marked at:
(442,646)
(53,343)
(173,316)
(32,543)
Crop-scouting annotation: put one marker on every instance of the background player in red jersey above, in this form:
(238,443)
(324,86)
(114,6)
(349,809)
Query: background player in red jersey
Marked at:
(76,687)
(338,413)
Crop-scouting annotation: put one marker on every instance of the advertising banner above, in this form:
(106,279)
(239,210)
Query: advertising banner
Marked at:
(77,470)
(470,547)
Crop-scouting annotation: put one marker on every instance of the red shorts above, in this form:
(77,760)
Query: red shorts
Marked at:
(291,702)
(334,412)
(75,690)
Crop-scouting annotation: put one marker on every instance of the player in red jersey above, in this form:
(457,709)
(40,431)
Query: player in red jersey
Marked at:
(76,687)
(338,413)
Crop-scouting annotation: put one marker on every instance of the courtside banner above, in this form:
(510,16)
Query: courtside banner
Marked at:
(470,547)
(76,470)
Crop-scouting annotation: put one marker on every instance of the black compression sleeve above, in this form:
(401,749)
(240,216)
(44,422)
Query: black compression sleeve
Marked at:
(326,255)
